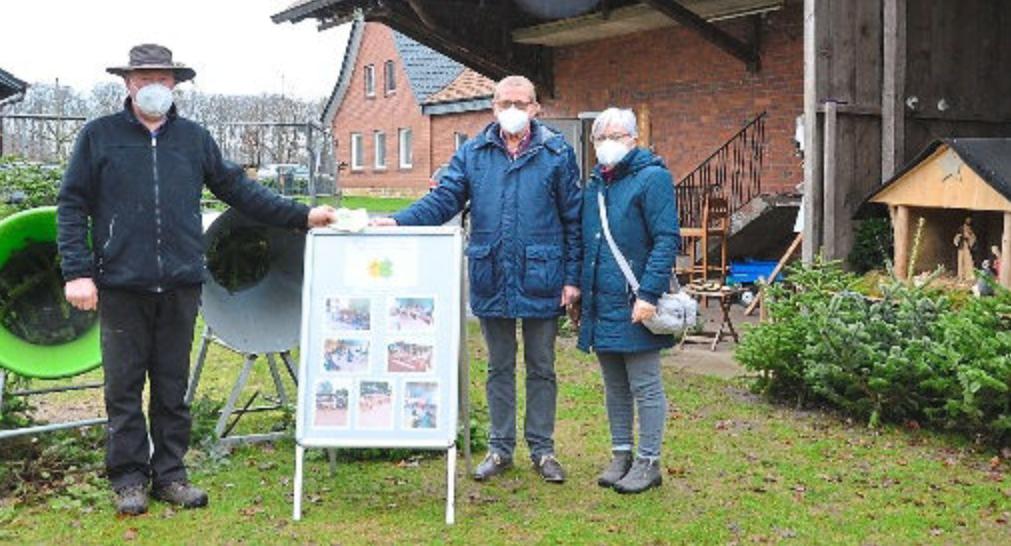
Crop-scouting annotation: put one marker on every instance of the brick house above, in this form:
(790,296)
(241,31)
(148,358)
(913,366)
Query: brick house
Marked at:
(399,110)
(700,100)
(863,86)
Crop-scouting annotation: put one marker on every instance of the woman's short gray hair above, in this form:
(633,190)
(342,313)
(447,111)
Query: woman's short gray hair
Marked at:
(612,116)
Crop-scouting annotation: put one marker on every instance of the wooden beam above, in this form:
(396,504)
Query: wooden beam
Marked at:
(830,200)
(645,126)
(534,62)
(900,232)
(843,108)
(893,88)
(747,53)
(419,10)
(772,277)
(814,22)
(1004,275)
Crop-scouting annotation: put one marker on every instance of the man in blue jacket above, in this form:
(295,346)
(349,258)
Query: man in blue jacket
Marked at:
(134,182)
(522,182)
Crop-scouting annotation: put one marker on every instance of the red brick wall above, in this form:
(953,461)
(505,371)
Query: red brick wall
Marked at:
(698,96)
(443,128)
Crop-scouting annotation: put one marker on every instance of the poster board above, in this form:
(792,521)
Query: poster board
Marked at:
(380,338)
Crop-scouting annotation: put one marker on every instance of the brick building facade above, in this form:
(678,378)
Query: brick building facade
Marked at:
(399,110)
(701,96)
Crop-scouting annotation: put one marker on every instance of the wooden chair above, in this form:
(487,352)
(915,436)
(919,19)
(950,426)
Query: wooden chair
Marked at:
(715,226)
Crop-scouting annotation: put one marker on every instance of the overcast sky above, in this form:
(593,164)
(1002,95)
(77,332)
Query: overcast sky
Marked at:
(232,44)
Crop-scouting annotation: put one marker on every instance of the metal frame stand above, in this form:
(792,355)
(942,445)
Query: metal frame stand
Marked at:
(463,372)
(296,513)
(463,416)
(37,429)
(223,427)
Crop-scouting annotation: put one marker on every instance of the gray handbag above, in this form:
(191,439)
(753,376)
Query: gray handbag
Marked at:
(675,310)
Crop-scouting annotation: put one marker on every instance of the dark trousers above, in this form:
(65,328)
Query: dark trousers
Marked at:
(542,389)
(147,335)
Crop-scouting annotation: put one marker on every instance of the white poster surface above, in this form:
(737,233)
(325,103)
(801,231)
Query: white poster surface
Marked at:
(381,320)
(391,264)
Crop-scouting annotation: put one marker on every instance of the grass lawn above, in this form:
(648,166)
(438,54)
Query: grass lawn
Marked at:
(378,205)
(375,204)
(372,204)
(737,471)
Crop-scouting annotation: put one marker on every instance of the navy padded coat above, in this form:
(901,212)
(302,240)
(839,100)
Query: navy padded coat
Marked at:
(524,213)
(642,215)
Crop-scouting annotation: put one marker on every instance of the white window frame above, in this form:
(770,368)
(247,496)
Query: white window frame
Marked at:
(405,143)
(357,152)
(458,140)
(370,80)
(389,77)
(379,163)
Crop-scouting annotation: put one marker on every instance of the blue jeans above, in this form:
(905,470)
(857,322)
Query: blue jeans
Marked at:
(634,379)
(542,390)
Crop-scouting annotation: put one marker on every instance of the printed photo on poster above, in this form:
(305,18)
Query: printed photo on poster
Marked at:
(410,356)
(421,405)
(375,405)
(347,313)
(381,264)
(345,355)
(411,315)
(331,403)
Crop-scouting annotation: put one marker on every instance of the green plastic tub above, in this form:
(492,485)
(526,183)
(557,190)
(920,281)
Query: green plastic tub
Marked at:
(41,361)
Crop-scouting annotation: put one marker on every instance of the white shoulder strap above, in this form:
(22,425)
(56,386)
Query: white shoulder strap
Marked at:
(615,251)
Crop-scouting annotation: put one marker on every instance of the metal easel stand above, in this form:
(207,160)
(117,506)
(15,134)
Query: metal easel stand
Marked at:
(450,481)
(224,427)
(464,370)
(37,429)
(464,410)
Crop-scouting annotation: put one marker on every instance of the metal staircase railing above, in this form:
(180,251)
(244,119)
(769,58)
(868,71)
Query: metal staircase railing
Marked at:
(733,171)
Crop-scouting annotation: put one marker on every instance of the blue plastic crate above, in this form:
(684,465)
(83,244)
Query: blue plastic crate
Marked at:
(749,271)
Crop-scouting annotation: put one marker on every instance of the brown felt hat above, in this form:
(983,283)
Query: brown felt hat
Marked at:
(153,57)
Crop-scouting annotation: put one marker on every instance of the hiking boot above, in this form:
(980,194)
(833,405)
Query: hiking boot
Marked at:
(550,469)
(643,475)
(131,500)
(492,465)
(181,494)
(620,463)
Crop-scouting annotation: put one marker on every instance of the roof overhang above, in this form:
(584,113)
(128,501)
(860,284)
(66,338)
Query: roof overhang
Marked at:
(475,34)
(11,87)
(496,39)
(634,18)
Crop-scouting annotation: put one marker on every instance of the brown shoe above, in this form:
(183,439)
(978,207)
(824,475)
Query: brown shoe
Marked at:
(181,494)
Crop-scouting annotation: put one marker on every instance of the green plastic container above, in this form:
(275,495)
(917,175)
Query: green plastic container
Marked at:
(41,361)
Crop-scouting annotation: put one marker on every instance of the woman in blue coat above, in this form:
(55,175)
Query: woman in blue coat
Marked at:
(642,215)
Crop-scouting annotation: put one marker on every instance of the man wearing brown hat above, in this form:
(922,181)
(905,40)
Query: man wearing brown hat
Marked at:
(134,182)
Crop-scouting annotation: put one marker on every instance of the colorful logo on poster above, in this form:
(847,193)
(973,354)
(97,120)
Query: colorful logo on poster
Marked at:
(381,269)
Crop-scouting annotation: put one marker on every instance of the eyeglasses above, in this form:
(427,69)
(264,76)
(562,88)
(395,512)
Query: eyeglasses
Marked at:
(519,104)
(615,137)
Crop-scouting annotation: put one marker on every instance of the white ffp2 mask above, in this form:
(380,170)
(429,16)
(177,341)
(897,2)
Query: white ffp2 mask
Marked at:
(154,100)
(610,152)
(513,120)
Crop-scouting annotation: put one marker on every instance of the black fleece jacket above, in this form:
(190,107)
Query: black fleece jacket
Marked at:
(139,195)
